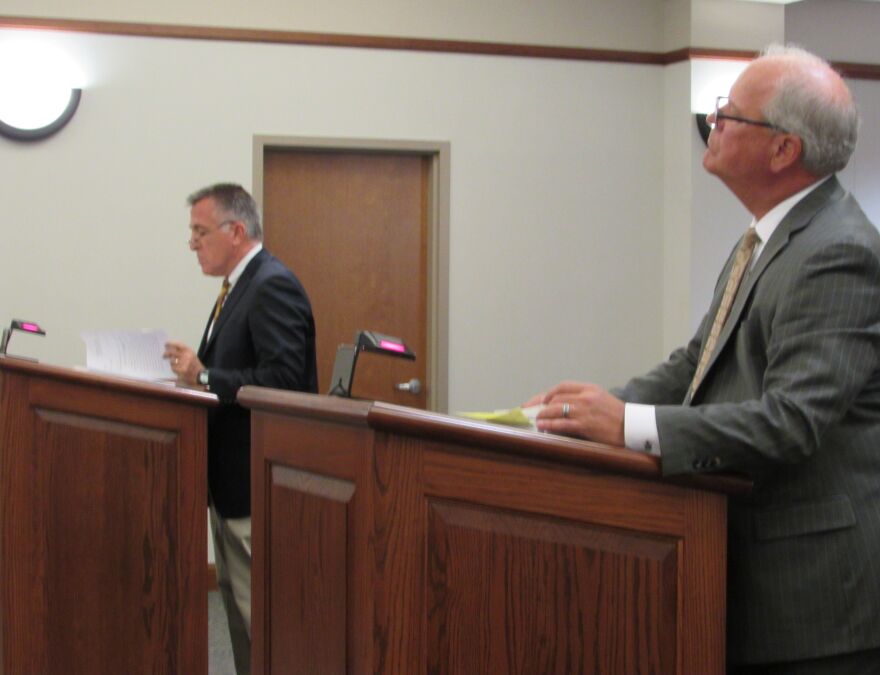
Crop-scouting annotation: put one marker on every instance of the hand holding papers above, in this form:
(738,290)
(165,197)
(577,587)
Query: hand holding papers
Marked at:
(136,354)
(514,417)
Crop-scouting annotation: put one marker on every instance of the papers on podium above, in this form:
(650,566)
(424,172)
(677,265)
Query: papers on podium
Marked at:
(514,417)
(129,353)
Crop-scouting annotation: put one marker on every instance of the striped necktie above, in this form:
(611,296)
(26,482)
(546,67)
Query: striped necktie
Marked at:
(220,300)
(737,272)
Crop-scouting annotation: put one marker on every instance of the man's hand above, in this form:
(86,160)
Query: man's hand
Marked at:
(184,362)
(581,409)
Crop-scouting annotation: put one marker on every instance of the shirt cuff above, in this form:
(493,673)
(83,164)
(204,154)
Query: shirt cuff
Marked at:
(640,428)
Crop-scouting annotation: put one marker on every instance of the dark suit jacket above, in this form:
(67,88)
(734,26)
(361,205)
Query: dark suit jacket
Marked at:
(792,398)
(265,335)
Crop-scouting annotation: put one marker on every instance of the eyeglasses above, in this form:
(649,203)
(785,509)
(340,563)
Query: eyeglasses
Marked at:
(723,102)
(197,232)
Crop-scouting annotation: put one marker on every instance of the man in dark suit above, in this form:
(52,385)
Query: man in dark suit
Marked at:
(782,384)
(260,332)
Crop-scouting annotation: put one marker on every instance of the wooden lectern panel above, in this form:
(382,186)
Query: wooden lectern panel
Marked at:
(389,540)
(309,526)
(511,592)
(102,525)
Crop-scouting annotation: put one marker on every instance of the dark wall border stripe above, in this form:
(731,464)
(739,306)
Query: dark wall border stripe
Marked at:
(863,71)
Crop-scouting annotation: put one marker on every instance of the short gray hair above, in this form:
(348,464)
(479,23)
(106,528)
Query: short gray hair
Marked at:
(235,202)
(827,126)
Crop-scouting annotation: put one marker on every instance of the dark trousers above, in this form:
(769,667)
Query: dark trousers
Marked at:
(857,663)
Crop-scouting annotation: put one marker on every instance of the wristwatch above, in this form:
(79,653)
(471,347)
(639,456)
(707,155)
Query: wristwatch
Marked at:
(203,377)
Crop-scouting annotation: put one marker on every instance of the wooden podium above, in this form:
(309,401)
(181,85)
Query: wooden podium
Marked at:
(103,495)
(391,540)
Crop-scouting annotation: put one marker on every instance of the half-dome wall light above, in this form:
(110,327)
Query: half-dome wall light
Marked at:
(38,96)
(25,133)
(703,126)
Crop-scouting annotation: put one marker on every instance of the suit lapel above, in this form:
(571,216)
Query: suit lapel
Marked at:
(203,344)
(232,300)
(795,220)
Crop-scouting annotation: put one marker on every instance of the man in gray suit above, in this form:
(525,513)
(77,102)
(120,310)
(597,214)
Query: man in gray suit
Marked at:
(788,390)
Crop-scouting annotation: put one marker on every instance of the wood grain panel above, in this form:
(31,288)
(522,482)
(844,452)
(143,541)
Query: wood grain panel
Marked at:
(459,431)
(105,403)
(303,444)
(307,466)
(80,481)
(704,608)
(105,426)
(615,501)
(517,593)
(464,558)
(23,593)
(397,549)
(307,617)
(103,535)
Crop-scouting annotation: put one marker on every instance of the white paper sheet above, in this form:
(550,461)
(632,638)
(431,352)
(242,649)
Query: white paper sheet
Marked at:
(128,353)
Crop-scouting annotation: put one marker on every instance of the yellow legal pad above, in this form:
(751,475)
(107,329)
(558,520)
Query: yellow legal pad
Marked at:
(512,417)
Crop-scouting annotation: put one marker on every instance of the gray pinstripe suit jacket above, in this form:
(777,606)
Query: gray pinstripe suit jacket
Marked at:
(792,398)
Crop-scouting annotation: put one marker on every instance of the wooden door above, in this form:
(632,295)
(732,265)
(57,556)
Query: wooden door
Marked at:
(353,226)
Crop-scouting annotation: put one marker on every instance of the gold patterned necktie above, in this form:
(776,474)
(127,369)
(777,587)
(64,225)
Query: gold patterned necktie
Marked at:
(220,299)
(740,265)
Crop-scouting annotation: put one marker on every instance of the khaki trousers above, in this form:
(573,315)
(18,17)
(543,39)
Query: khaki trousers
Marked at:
(232,557)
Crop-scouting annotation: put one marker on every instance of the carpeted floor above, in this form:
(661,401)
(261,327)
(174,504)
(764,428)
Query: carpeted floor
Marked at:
(219,648)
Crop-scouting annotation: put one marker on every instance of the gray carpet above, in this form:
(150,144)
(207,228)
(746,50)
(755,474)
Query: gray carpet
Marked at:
(219,648)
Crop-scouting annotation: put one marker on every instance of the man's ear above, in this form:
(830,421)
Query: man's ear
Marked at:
(786,152)
(239,230)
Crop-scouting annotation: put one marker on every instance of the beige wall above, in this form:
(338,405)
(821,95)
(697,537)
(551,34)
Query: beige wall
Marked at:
(585,238)
(730,24)
(544,164)
(608,24)
(842,30)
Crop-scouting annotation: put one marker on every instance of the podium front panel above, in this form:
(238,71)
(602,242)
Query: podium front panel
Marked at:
(424,549)
(104,542)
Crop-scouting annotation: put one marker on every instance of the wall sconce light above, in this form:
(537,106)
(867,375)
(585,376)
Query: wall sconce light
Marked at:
(711,78)
(29,123)
(37,98)
(703,126)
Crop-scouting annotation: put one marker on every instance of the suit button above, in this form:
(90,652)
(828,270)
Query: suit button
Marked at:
(698,464)
(715,463)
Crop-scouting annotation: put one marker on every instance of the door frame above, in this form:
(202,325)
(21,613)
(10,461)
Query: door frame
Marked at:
(438,152)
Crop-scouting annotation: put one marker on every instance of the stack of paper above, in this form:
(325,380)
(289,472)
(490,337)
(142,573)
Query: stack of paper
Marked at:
(136,354)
